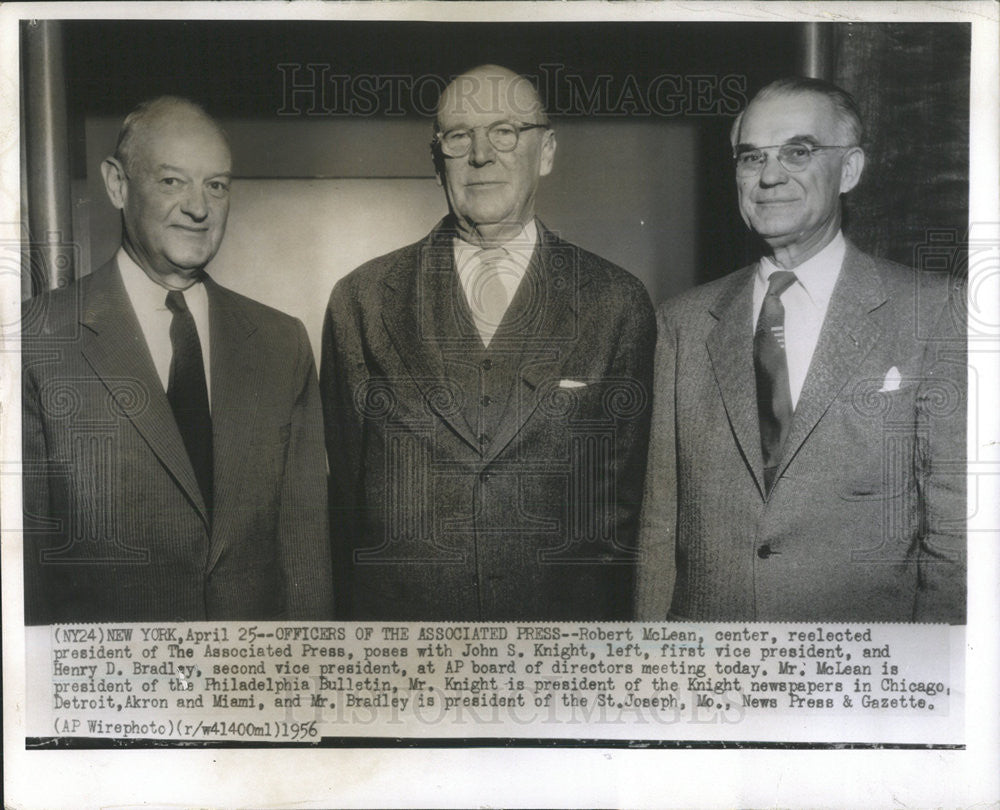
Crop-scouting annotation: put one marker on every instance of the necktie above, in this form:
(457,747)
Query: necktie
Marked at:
(774,398)
(187,393)
(488,298)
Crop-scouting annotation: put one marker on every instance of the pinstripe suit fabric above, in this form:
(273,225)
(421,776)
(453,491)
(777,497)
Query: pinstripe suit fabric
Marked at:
(115,525)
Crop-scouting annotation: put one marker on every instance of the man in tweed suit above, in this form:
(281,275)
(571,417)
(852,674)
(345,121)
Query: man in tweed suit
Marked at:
(806,461)
(172,433)
(485,392)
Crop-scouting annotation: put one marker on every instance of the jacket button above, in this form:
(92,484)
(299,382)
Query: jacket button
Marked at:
(486,401)
(485,477)
(765,551)
(484,439)
(487,364)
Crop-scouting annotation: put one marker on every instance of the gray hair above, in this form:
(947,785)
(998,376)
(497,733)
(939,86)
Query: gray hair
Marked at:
(145,114)
(846,108)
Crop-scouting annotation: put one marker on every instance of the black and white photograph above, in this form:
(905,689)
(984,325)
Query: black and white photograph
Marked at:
(526,388)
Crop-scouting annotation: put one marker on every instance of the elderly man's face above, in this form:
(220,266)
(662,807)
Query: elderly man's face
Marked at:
(486,186)
(176,196)
(799,209)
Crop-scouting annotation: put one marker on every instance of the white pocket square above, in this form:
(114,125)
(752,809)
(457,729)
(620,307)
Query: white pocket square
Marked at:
(572,384)
(892,380)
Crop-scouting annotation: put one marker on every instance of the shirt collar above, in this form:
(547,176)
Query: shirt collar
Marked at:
(817,274)
(144,293)
(521,246)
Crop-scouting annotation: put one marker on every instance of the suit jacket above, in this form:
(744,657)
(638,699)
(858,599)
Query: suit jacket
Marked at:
(116,528)
(865,521)
(500,483)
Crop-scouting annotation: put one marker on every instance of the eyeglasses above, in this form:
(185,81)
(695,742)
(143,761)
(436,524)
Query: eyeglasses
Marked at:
(503,137)
(793,156)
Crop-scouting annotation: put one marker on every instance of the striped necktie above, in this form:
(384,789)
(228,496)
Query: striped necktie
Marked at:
(774,397)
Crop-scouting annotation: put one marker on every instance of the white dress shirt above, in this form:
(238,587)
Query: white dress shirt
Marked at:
(149,300)
(520,250)
(805,303)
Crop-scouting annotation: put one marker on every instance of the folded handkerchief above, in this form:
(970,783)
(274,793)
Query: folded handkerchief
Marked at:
(892,380)
(572,384)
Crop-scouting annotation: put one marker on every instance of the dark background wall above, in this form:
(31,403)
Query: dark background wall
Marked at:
(330,124)
(912,84)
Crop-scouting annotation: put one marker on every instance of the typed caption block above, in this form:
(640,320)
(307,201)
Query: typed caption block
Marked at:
(290,682)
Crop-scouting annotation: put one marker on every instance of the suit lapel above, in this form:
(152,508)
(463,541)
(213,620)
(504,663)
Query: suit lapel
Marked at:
(540,318)
(849,332)
(419,313)
(237,379)
(424,309)
(730,348)
(115,348)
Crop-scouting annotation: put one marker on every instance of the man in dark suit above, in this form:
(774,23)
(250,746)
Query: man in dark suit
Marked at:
(486,395)
(808,438)
(172,431)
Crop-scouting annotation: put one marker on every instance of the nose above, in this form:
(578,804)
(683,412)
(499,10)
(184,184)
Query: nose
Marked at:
(773,173)
(481,152)
(195,203)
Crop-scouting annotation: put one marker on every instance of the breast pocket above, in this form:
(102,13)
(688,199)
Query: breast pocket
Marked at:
(592,399)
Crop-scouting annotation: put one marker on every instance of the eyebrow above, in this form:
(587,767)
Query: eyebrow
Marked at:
(809,140)
(486,126)
(179,170)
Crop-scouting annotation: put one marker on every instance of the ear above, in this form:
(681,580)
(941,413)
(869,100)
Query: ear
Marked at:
(851,168)
(548,153)
(438,158)
(115,181)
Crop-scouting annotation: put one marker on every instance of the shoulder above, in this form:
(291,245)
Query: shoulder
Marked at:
(277,325)
(51,312)
(895,275)
(55,311)
(892,274)
(920,291)
(604,279)
(700,301)
(365,281)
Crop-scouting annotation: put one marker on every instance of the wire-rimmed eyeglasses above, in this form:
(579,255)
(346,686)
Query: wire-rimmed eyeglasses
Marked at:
(503,136)
(794,157)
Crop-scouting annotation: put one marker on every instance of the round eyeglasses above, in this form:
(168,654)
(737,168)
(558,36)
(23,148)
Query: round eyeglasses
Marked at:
(794,157)
(503,137)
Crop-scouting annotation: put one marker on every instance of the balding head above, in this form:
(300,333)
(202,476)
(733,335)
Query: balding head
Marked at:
(491,90)
(492,144)
(175,111)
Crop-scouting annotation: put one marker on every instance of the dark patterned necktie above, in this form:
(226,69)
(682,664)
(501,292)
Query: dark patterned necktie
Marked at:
(187,392)
(774,397)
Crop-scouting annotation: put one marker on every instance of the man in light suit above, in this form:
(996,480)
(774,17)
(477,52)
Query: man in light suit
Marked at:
(486,395)
(806,460)
(172,429)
